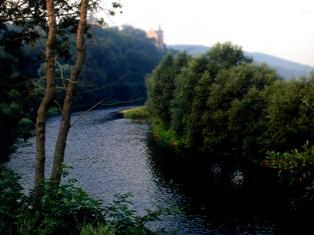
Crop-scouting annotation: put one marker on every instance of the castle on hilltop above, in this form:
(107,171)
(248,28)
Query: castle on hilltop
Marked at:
(157,36)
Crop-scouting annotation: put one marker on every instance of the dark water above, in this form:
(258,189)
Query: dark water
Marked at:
(111,155)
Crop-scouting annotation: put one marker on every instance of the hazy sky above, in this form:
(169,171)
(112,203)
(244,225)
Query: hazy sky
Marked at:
(283,28)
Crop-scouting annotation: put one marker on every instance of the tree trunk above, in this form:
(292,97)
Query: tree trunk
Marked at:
(45,102)
(65,123)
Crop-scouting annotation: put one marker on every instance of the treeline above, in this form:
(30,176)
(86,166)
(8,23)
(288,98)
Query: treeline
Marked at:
(222,104)
(116,63)
(16,100)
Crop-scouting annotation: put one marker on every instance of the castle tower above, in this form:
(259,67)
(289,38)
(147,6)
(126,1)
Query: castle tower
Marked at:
(157,36)
(160,38)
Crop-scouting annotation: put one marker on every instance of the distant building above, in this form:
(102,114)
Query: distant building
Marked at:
(157,36)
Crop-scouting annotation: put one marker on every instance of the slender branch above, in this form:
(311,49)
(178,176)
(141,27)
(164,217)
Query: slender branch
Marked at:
(58,104)
(107,104)
(87,111)
(45,103)
(61,73)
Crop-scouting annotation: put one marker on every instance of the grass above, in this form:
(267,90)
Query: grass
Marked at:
(99,229)
(136,113)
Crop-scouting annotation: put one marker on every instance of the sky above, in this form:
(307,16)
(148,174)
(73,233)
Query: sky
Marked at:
(283,28)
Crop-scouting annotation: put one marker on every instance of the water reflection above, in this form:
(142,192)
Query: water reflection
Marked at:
(212,193)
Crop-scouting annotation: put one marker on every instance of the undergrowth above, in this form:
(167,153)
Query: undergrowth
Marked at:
(67,209)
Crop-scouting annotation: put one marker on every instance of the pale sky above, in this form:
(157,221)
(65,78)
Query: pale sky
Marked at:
(283,28)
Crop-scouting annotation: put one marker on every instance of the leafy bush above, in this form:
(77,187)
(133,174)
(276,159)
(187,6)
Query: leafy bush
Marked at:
(63,210)
(295,168)
(67,209)
(15,95)
(166,137)
(125,220)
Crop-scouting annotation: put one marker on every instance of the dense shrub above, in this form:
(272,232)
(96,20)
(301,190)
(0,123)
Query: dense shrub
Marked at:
(295,168)
(98,229)
(63,210)
(220,102)
(15,98)
(125,220)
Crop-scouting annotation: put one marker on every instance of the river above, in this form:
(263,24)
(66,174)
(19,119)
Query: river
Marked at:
(110,155)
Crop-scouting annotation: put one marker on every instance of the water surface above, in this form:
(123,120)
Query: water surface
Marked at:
(110,155)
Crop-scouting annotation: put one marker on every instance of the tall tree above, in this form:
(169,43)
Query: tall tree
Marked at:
(69,96)
(47,100)
(184,93)
(162,89)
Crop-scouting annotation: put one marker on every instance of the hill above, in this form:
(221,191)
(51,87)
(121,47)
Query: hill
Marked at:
(117,61)
(287,69)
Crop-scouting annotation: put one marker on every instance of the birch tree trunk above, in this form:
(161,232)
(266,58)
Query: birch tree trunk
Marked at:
(65,123)
(46,101)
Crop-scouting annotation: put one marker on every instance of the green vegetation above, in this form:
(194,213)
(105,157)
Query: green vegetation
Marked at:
(10,194)
(137,113)
(221,103)
(63,210)
(67,209)
(295,168)
(98,229)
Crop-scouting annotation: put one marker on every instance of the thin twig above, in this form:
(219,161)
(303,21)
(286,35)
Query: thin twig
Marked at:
(58,104)
(84,113)
(61,74)
(108,104)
